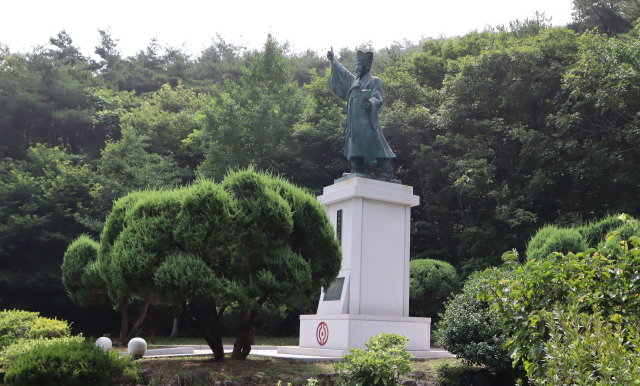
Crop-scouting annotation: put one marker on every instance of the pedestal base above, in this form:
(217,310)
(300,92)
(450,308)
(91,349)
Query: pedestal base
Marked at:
(318,355)
(332,335)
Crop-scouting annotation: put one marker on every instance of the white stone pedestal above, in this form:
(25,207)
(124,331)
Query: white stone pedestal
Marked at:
(372,220)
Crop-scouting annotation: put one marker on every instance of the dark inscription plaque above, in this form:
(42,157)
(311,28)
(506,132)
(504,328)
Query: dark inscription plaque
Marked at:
(335,291)
(339,226)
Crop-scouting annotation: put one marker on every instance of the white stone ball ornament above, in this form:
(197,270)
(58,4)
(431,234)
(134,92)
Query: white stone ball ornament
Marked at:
(104,343)
(137,347)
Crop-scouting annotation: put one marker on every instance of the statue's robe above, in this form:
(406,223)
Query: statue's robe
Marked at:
(363,135)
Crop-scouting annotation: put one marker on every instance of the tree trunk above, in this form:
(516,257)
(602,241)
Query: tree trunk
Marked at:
(124,318)
(152,336)
(138,322)
(213,339)
(242,345)
(174,331)
(216,336)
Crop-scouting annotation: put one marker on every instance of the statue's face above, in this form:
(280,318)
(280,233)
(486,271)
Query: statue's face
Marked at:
(361,69)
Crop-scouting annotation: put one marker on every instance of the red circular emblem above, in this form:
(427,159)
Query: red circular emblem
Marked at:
(322,333)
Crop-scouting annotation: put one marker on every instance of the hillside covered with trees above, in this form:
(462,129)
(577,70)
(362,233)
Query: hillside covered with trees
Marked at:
(499,131)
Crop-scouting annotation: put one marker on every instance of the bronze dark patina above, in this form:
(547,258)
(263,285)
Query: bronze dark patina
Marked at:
(364,141)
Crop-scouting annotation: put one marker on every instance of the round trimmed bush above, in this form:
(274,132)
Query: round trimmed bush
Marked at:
(69,364)
(429,280)
(470,330)
(551,239)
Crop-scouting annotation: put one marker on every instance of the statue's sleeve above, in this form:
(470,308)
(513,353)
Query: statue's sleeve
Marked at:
(341,79)
(376,94)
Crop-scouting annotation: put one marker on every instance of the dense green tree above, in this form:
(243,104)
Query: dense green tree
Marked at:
(221,61)
(606,16)
(200,274)
(319,136)
(145,240)
(253,241)
(151,152)
(466,155)
(113,227)
(430,280)
(44,202)
(44,99)
(280,258)
(251,123)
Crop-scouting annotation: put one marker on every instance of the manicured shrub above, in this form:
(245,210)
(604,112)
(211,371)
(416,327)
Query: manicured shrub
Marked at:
(16,325)
(471,330)
(429,280)
(69,364)
(80,274)
(594,232)
(252,241)
(9,354)
(540,238)
(551,239)
(383,362)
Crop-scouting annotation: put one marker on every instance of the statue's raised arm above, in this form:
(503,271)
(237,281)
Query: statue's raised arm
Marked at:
(364,141)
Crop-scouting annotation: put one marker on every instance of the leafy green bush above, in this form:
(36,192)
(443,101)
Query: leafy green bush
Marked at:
(551,239)
(383,362)
(48,328)
(69,364)
(16,325)
(471,331)
(620,233)
(429,280)
(589,349)
(585,349)
(606,277)
(18,349)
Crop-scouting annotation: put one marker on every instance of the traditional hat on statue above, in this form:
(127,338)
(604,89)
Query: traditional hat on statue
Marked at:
(365,57)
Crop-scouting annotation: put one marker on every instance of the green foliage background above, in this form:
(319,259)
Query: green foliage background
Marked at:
(500,132)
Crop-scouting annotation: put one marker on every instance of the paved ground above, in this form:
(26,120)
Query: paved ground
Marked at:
(271,351)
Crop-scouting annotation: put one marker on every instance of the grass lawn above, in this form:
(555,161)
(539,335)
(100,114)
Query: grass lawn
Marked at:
(277,369)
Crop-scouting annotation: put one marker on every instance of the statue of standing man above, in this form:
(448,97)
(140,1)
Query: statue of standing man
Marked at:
(364,141)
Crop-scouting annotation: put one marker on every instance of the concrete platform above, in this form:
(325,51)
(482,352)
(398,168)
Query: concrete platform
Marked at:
(170,351)
(275,352)
(329,353)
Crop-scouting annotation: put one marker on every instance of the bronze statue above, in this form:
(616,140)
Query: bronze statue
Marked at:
(364,141)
